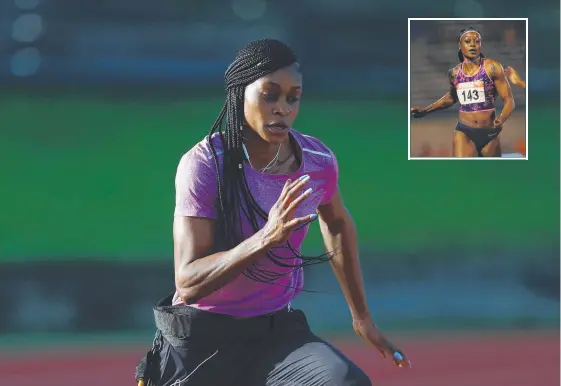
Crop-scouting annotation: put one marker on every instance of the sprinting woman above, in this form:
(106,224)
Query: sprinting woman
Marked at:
(245,196)
(474,83)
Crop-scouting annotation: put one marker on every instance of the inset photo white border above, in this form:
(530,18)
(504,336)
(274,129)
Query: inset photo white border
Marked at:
(467,22)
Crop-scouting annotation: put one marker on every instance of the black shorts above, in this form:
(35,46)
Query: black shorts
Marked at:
(479,137)
(200,348)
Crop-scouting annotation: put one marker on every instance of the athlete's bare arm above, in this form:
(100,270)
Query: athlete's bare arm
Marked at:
(199,272)
(497,74)
(447,101)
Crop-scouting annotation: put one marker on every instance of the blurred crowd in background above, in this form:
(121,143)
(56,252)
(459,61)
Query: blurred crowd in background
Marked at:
(346,47)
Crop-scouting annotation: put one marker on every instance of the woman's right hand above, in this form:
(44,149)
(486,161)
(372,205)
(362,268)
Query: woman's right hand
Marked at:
(281,220)
(418,112)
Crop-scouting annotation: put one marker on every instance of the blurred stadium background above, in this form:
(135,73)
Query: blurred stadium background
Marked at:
(433,52)
(98,101)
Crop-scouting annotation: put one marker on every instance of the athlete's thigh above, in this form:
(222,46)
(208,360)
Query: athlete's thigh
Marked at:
(463,146)
(306,361)
(493,148)
(203,363)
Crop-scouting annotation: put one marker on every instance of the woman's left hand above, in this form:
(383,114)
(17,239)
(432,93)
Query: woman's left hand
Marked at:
(497,123)
(368,331)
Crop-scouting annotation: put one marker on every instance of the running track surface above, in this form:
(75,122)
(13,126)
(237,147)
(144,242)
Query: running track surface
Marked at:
(521,359)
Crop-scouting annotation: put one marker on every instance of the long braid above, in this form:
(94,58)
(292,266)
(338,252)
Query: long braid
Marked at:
(257,59)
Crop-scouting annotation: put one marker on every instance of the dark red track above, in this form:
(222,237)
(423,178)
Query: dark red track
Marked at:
(521,359)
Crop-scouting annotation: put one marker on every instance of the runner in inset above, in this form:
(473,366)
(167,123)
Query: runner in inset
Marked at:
(474,83)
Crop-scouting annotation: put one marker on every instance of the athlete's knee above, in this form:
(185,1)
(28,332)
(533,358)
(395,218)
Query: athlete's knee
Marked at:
(357,377)
(350,374)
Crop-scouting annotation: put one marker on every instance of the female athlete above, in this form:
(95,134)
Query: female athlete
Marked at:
(245,196)
(474,83)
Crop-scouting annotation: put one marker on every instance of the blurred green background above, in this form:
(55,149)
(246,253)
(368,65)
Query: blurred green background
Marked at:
(99,101)
(96,177)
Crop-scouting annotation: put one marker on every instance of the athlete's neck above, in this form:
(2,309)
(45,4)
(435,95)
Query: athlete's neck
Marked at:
(475,61)
(471,65)
(262,152)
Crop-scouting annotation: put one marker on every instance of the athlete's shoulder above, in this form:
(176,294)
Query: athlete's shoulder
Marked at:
(319,159)
(453,72)
(314,148)
(490,61)
(311,143)
(200,158)
(493,67)
(196,183)
(204,150)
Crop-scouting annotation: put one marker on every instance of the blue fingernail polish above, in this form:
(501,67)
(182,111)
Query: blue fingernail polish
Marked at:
(398,356)
(313,216)
(304,177)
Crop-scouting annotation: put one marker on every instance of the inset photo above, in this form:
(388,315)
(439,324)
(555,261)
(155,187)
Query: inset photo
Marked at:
(467,89)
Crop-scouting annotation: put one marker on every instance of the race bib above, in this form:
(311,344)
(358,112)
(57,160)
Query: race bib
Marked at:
(471,92)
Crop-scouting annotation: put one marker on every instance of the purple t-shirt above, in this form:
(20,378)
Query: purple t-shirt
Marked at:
(196,196)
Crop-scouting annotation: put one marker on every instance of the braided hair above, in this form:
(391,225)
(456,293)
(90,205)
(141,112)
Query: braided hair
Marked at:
(257,59)
(462,32)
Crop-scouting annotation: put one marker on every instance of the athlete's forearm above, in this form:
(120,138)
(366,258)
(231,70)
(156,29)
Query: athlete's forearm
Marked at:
(340,238)
(507,110)
(203,276)
(443,103)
